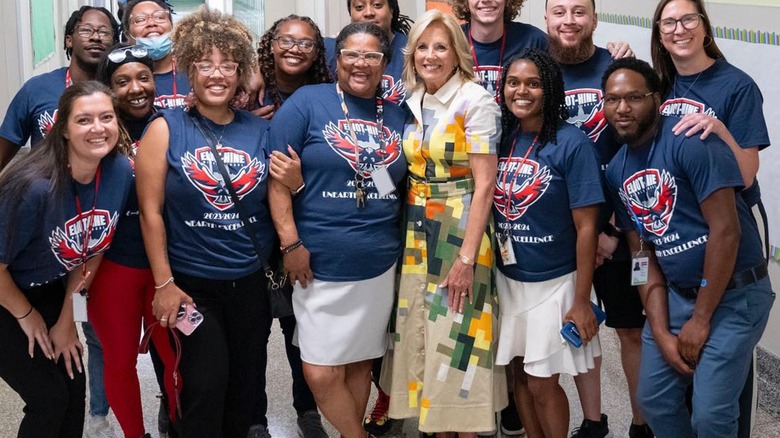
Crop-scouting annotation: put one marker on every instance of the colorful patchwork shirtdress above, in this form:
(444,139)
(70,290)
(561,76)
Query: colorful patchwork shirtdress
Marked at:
(441,366)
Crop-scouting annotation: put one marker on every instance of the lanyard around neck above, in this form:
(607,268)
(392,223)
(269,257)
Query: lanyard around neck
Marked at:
(508,194)
(88,227)
(351,130)
(634,217)
(500,61)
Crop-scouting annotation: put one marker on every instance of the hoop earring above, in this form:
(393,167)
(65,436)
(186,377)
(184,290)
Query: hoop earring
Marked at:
(707,43)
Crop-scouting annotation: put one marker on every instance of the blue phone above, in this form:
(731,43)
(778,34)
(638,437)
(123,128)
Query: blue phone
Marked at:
(572,335)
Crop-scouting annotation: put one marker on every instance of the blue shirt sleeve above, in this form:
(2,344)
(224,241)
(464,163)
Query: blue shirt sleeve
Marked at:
(746,121)
(709,165)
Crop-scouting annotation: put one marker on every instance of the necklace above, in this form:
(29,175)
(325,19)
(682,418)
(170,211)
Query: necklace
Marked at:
(674,87)
(224,127)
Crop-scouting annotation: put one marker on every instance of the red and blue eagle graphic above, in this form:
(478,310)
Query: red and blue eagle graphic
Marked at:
(586,109)
(650,196)
(67,242)
(371,154)
(530,184)
(203,173)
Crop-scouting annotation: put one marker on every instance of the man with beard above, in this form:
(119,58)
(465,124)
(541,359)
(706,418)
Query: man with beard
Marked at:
(570,27)
(703,276)
(88,33)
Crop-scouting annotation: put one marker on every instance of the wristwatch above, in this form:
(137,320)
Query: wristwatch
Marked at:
(611,231)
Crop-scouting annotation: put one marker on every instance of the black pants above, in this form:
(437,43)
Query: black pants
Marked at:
(54,403)
(303,399)
(223,361)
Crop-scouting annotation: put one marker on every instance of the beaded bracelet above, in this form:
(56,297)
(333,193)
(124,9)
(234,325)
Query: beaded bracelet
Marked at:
(291,247)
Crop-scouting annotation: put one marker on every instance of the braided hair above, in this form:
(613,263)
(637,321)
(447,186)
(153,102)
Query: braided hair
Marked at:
(75,19)
(318,73)
(553,99)
(400,23)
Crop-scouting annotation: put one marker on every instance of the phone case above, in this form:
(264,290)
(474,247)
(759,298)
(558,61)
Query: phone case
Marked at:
(572,335)
(188,319)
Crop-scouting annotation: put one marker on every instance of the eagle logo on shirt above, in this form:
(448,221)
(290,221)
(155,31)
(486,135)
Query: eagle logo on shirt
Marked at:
(67,242)
(530,184)
(394,91)
(678,107)
(203,173)
(371,153)
(586,111)
(650,196)
(46,122)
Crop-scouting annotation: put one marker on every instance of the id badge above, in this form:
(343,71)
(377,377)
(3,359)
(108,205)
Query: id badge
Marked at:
(506,250)
(79,297)
(382,181)
(639,266)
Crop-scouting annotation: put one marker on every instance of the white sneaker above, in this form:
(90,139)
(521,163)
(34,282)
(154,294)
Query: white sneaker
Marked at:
(97,426)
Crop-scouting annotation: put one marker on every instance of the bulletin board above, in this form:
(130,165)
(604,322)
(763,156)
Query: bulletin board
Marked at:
(42,24)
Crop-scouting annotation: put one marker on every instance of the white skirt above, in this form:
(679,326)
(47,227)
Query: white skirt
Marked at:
(343,322)
(531,315)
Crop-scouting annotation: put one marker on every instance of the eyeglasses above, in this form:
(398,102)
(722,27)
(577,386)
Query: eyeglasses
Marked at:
(157,17)
(352,56)
(207,69)
(120,54)
(688,21)
(632,99)
(86,32)
(287,43)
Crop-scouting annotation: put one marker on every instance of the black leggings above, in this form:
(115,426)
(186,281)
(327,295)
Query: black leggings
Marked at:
(54,403)
(223,361)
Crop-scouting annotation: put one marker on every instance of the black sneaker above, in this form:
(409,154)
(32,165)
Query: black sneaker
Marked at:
(593,429)
(258,431)
(310,425)
(163,417)
(510,421)
(640,431)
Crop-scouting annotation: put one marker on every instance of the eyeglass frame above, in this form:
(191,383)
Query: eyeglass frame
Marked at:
(295,43)
(109,33)
(362,55)
(628,98)
(215,67)
(166,17)
(135,51)
(660,23)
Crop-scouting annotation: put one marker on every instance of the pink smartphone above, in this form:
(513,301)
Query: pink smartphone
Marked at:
(188,319)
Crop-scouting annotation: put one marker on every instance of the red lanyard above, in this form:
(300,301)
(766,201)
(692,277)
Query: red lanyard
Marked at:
(68,78)
(500,61)
(508,193)
(88,228)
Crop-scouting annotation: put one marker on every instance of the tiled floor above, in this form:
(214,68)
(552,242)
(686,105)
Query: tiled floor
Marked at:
(282,416)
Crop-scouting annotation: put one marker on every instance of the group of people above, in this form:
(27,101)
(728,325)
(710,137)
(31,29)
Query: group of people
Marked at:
(443,199)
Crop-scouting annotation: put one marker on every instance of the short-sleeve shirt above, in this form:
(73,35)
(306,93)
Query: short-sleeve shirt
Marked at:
(662,184)
(49,235)
(346,243)
(487,56)
(33,110)
(392,80)
(170,89)
(206,236)
(534,198)
(461,118)
(730,95)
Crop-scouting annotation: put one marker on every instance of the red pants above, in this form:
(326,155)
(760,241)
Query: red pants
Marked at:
(120,299)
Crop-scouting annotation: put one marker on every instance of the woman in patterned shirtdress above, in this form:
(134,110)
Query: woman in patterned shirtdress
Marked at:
(442,363)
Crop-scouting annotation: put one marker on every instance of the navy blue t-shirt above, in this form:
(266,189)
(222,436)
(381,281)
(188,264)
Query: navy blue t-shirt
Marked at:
(346,243)
(664,191)
(33,110)
(392,80)
(565,175)
(730,95)
(48,237)
(488,63)
(170,89)
(206,237)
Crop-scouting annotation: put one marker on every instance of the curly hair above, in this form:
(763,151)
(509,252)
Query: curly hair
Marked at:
(662,60)
(553,101)
(461,9)
(75,19)
(197,33)
(318,73)
(399,23)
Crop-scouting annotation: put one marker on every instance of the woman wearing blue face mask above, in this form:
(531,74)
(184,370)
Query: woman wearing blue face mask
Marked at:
(148,23)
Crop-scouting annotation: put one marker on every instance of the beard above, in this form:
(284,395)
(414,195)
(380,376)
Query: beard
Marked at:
(571,55)
(641,129)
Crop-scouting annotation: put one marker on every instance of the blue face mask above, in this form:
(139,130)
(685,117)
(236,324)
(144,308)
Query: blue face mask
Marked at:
(158,46)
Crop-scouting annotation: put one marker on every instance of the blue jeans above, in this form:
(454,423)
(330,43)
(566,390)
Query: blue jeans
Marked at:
(735,329)
(98,404)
